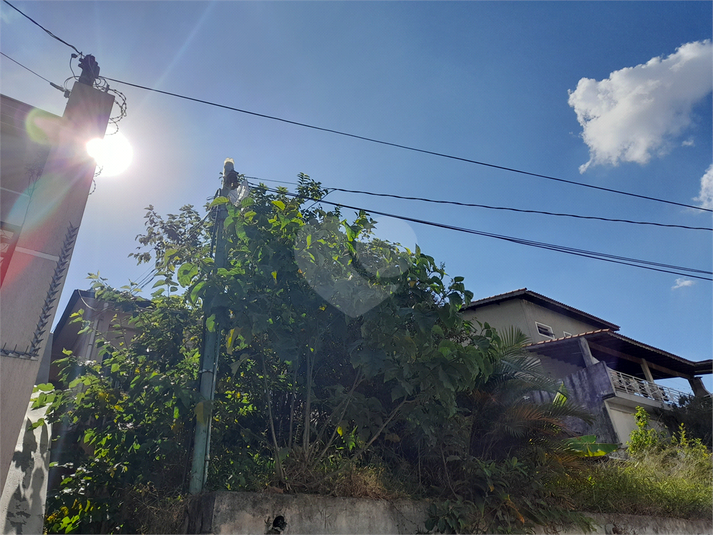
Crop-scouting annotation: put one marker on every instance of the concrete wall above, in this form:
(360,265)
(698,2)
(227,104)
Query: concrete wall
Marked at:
(560,369)
(244,513)
(615,524)
(23,498)
(17,376)
(588,388)
(238,513)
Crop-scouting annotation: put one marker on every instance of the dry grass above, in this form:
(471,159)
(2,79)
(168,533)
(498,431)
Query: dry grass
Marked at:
(363,482)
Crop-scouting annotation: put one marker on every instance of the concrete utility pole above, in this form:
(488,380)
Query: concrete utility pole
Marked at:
(35,271)
(211,348)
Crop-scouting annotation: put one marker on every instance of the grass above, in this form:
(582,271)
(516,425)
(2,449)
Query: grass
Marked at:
(670,482)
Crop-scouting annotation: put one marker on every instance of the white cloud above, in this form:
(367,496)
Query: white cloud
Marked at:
(637,111)
(688,142)
(705,197)
(682,283)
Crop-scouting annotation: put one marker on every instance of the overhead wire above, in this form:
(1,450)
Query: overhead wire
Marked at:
(378,141)
(503,208)
(43,28)
(634,262)
(58,87)
(26,68)
(579,252)
(414,149)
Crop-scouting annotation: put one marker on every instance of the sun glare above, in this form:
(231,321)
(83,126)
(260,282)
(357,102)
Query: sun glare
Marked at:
(113,153)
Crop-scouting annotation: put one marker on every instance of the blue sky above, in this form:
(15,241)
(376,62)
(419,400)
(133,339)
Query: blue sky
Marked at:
(502,82)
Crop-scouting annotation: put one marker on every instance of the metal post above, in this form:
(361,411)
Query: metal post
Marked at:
(209,364)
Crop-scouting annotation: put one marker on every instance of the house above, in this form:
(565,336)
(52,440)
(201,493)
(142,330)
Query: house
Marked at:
(102,317)
(602,370)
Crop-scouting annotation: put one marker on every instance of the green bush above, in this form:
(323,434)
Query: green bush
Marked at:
(662,477)
(696,412)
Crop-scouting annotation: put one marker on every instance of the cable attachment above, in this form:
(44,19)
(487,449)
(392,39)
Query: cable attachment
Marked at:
(235,183)
(90,70)
(60,88)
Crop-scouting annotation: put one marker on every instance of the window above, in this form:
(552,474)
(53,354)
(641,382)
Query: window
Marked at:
(545,330)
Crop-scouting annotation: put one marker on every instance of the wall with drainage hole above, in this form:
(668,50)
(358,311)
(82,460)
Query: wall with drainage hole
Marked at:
(247,513)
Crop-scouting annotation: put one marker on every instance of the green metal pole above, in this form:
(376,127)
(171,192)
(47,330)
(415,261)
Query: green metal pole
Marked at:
(209,365)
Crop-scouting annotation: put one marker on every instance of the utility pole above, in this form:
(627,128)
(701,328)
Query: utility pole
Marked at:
(211,338)
(34,270)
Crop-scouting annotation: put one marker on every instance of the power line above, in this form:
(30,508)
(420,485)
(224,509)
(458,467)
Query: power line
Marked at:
(435,201)
(26,68)
(577,216)
(520,210)
(58,87)
(634,262)
(45,29)
(373,140)
(414,149)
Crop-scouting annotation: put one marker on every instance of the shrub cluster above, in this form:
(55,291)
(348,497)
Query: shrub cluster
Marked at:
(661,477)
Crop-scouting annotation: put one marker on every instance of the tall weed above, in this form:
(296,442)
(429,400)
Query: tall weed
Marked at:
(662,477)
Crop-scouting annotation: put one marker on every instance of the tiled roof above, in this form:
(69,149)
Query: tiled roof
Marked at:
(613,343)
(569,337)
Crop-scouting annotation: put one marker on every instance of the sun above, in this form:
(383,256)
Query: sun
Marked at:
(113,153)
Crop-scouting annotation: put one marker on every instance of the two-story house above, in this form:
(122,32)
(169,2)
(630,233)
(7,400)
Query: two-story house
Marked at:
(602,370)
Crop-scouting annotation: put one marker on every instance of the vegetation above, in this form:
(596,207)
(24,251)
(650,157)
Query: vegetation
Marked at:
(662,476)
(695,413)
(345,368)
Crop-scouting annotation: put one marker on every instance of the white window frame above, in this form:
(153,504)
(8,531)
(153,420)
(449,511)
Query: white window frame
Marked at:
(546,328)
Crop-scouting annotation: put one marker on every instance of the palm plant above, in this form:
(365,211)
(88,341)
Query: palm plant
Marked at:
(504,415)
(498,458)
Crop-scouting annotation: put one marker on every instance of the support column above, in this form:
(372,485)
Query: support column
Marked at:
(697,386)
(647,371)
(589,359)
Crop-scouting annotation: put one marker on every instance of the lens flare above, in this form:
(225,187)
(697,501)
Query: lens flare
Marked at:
(113,154)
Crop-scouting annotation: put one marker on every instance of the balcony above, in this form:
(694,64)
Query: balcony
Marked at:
(629,384)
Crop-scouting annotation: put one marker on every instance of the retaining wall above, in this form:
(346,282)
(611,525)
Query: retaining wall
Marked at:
(246,513)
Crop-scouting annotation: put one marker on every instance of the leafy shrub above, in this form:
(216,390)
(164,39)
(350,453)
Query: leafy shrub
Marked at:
(696,413)
(644,438)
(662,477)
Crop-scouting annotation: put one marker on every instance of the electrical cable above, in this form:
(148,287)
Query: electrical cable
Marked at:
(59,88)
(381,142)
(100,84)
(26,68)
(45,29)
(643,264)
(520,210)
(414,149)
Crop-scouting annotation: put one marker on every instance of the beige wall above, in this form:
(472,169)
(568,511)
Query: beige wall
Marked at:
(523,314)
(622,419)
(23,498)
(503,315)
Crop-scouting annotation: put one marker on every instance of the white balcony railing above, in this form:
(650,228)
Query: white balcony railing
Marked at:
(633,385)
